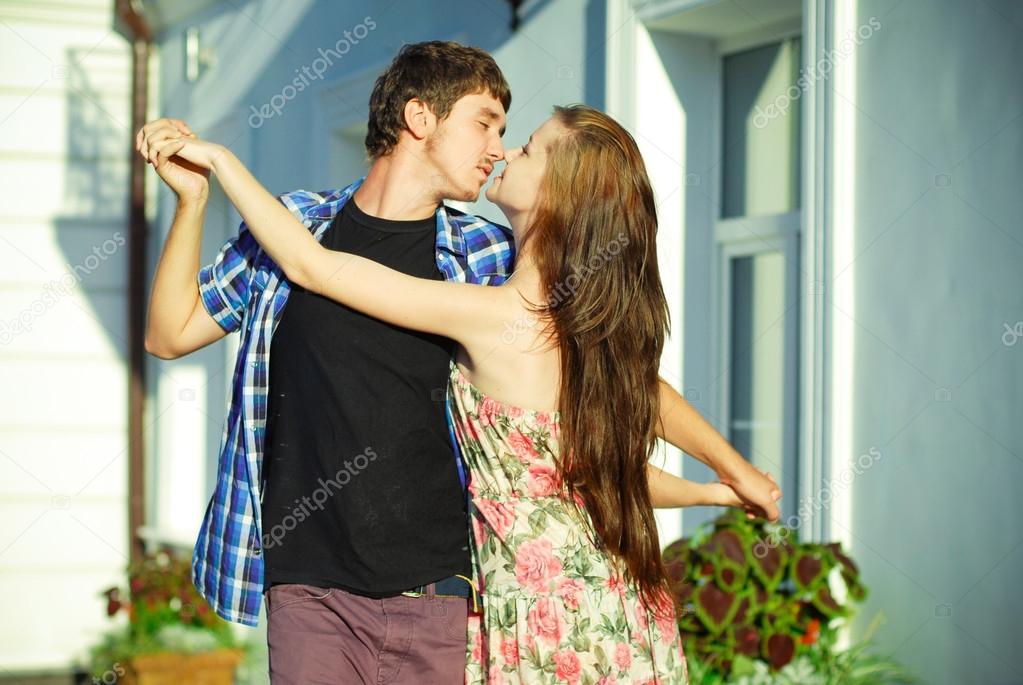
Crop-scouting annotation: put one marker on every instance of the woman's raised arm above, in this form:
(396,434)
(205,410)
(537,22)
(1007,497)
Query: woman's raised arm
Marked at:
(463,312)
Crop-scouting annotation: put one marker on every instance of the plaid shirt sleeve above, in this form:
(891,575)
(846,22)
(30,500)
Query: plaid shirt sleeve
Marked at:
(224,284)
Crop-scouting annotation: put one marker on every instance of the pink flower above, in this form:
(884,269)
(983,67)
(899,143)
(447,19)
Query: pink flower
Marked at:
(569,590)
(568,665)
(522,445)
(500,516)
(536,566)
(487,410)
(623,656)
(615,583)
(543,621)
(664,616)
(642,620)
(475,631)
(510,652)
(544,480)
(667,626)
(479,531)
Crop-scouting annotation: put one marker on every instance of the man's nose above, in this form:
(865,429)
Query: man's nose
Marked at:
(496,151)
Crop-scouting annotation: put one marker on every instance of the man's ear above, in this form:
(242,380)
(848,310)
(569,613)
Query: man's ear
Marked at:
(419,120)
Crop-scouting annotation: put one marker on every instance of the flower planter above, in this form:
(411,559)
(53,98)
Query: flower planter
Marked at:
(170,668)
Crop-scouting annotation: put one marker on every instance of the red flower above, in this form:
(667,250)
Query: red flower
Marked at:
(812,633)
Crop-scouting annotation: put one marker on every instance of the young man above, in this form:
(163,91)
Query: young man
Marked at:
(338,492)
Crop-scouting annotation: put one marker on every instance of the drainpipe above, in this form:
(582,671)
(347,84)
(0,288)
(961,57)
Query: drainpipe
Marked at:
(136,29)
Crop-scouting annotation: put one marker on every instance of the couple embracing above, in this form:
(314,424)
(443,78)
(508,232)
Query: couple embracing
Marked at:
(490,393)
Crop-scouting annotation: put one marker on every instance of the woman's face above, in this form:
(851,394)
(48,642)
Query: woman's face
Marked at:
(515,191)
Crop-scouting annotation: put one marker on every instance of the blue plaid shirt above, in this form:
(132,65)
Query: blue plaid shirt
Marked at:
(243,289)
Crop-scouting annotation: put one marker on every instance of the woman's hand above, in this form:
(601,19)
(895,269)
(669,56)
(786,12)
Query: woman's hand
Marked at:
(190,182)
(723,495)
(757,489)
(200,153)
(168,144)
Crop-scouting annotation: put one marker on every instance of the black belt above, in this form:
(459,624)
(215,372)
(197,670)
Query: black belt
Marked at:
(453,586)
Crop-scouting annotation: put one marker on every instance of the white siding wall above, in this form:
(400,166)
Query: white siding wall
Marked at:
(64,119)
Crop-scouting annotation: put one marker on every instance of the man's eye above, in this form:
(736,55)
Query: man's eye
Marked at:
(483,124)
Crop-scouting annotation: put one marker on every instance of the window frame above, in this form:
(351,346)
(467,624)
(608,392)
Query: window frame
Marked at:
(748,236)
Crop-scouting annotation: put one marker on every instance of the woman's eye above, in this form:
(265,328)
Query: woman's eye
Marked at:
(483,124)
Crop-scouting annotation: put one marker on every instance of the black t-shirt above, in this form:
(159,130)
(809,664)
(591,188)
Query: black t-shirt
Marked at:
(361,490)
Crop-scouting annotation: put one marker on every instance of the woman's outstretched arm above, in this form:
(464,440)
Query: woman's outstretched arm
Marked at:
(459,311)
(682,426)
(668,490)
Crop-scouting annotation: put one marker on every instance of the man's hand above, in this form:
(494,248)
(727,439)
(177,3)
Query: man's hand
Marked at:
(157,142)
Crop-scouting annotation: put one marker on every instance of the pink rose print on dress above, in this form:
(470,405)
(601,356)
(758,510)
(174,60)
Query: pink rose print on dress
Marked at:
(570,591)
(623,656)
(568,667)
(615,583)
(544,480)
(488,411)
(641,617)
(664,616)
(536,566)
(522,446)
(510,652)
(479,530)
(544,622)
(476,637)
(500,516)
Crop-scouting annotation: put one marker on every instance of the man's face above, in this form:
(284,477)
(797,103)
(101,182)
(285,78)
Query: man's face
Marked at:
(465,145)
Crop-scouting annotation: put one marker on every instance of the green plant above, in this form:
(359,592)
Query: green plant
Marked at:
(164,611)
(759,607)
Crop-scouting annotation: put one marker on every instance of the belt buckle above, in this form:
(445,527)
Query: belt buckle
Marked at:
(413,593)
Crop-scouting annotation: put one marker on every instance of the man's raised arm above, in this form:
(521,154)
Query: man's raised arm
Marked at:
(178,322)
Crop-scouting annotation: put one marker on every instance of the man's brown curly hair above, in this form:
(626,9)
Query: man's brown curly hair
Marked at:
(437,72)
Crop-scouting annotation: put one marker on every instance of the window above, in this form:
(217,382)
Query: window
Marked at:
(757,241)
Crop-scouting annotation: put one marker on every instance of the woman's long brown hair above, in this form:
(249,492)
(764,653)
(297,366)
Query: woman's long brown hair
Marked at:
(593,239)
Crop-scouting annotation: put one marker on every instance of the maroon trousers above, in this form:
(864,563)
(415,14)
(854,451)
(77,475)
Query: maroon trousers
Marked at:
(320,636)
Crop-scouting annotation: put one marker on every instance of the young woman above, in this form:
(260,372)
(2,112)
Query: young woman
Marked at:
(554,393)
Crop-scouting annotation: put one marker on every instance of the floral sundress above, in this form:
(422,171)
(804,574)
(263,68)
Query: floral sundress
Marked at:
(554,610)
